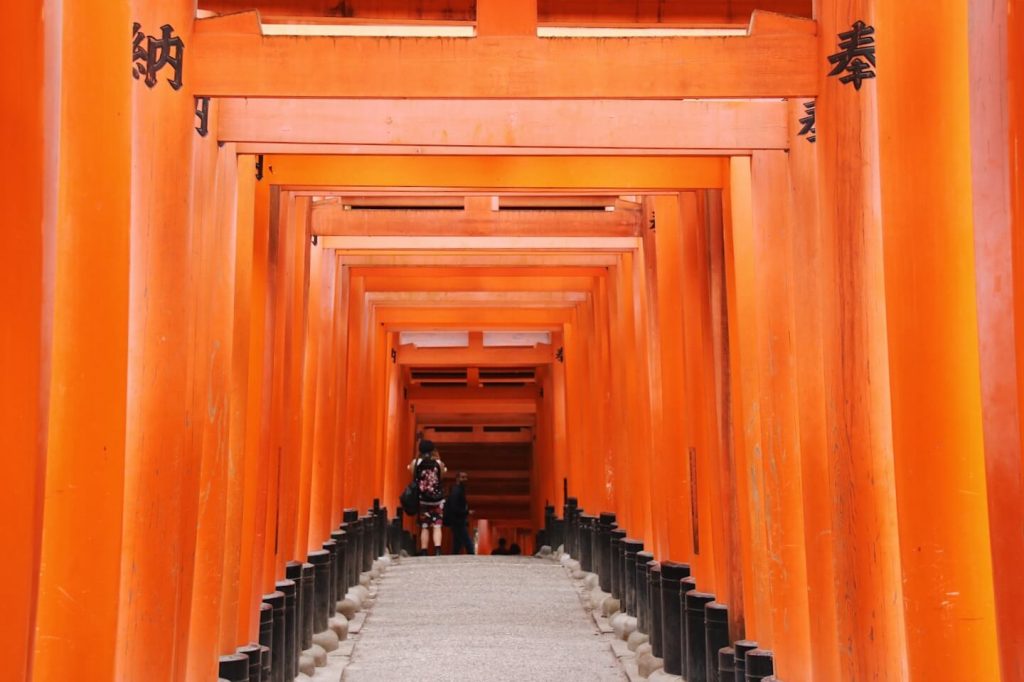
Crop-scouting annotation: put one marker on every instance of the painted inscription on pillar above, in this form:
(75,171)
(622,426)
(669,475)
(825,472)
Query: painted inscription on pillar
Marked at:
(855,61)
(151,54)
(808,128)
(203,114)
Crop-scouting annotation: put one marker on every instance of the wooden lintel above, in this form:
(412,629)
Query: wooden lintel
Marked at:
(474,419)
(600,175)
(510,395)
(233,58)
(482,438)
(334,220)
(666,126)
(497,357)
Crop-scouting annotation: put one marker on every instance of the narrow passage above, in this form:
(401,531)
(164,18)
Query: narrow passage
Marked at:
(479,618)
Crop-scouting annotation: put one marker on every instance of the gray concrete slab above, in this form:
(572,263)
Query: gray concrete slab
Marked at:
(480,618)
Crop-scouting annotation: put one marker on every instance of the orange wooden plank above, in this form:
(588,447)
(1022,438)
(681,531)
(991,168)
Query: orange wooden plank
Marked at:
(234,59)
(666,125)
(84,430)
(336,221)
(598,174)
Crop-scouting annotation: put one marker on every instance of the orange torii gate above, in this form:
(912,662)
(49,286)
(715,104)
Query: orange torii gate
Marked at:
(877,526)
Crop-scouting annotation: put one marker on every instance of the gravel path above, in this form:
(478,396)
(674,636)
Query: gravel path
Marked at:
(479,618)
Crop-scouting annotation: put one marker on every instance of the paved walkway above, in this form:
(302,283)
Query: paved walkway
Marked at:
(479,618)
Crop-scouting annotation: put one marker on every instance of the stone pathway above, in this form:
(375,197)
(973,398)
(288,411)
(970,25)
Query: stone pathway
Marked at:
(480,618)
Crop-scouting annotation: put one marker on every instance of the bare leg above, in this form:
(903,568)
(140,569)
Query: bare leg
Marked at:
(437,537)
(424,539)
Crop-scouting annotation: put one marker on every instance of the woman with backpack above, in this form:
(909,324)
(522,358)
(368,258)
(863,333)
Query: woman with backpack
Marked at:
(427,470)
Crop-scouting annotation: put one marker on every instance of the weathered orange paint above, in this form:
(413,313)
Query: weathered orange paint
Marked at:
(80,560)
(933,351)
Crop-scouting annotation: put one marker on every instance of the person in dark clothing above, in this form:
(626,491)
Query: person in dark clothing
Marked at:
(501,548)
(427,470)
(456,511)
(515,549)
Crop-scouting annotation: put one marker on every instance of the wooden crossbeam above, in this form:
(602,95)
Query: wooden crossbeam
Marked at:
(630,126)
(333,220)
(233,58)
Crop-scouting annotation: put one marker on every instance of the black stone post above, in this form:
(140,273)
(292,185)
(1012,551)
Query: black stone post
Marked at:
(234,668)
(716,636)
(291,621)
(569,520)
(395,535)
(382,532)
(293,571)
(549,525)
(759,665)
(350,525)
(615,551)
(340,538)
(672,573)
(577,519)
(586,526)
(368,543)
(252,652)
(726,665)
(276,601)
(654,595)
(266,641)
(266,660)
(321,561)
(643,605)
(696,642)
(740,650)
(605,523)
(595,547)
(685,585)
(331,547)
(630,548)
(308,589)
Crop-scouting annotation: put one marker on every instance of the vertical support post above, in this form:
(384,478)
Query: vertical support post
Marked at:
(84,424)
(934,364)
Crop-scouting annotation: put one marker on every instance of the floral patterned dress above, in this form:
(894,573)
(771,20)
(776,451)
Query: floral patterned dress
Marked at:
(431,494)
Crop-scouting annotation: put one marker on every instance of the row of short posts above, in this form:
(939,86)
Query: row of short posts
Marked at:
(307,598)
(687,628)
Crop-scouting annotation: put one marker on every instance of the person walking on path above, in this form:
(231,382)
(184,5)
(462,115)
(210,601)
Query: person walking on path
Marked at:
(456,513)
(427,470)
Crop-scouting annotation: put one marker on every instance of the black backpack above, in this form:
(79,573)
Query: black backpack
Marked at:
(424,468)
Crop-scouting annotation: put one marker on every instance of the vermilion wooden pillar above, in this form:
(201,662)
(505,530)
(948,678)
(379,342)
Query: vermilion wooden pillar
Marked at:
(810,380)
(933,345)
(161,463)
(858,414)
(213,253)
(27,246)
(780,422)
(81,542)
(995,97)
(746,416)
(238,612)
(671,464)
